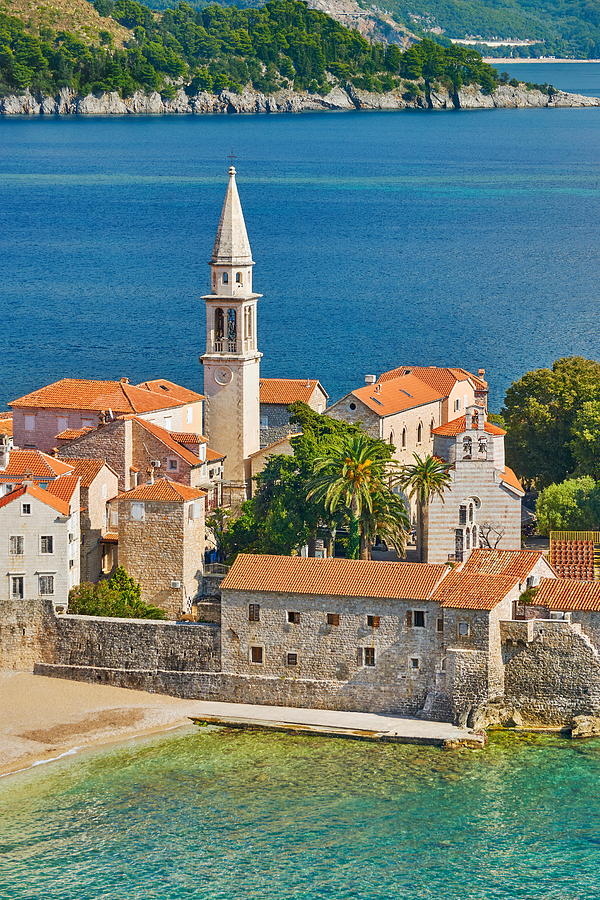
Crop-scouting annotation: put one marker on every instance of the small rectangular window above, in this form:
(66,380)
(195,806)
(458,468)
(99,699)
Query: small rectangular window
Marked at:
(373,621)
(254,612)
(46,585)
(369,656)
(25,509)
(17,587)
(173,465)
(29,423)
(138,511)
(256,655)
(16,544)
(440,624)
(292,659)
(46,544)
(333,619)
(464,629)
(414,663)
(418,618)
(293,617)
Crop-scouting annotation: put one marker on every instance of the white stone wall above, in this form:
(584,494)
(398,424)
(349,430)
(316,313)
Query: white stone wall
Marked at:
(63,563)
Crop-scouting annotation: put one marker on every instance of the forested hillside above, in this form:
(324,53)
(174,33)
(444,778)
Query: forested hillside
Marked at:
(282,44)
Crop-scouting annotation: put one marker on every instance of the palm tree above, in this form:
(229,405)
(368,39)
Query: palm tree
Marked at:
(388,519)
(426,478)
(352,473)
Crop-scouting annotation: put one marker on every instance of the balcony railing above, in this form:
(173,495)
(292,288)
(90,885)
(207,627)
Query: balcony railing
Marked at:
(225,346)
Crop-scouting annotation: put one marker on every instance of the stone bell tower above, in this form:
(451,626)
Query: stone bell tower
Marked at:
(232,360)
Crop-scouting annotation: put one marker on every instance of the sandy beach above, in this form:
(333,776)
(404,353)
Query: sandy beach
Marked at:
(42,718)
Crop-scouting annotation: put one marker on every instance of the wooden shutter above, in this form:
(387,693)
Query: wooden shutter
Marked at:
(409,618)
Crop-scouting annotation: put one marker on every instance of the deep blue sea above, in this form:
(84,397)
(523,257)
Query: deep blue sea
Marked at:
(463,238)
(230,815)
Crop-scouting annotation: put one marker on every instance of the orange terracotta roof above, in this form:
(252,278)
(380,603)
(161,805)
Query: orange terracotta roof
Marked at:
(70,434)
(87,469)
(473,590)
(332,577)
(441,377)
(111,537)
(508,477)
(163,489)
(6,414)
(176,391)
(569,594)
(269,447)
(213,455)
(78,393)
(63,487)
(288,390)
(32,490)
(519,563)
(40,464)
(184,437)
(6,424)
(457,426)
(396,395)
(170,443)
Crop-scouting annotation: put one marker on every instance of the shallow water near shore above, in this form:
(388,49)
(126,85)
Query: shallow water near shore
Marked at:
(222,814)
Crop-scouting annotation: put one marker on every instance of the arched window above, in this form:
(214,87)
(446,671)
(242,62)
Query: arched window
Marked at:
(231,325)
(467,539)
(482,444)
(238,278)
(219,324)
(431,427)
(248,323)
(474,534)
(475,420)
(419,433)
(225,277)
(467,447)
(392,438)
(404,438)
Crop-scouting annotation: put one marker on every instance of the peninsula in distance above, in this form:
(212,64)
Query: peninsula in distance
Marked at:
(117,57)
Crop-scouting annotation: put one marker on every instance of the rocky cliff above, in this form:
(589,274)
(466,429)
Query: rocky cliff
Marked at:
(111,104)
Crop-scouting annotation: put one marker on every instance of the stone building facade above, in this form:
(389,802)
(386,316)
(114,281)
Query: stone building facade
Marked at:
(277,395)
(482,506)
(161,542)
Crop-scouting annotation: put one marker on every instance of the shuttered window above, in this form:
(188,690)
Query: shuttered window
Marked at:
(333,619)
(373,621)
(409,619)
(254,612)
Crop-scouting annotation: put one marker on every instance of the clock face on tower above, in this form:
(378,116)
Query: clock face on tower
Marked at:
(223,375)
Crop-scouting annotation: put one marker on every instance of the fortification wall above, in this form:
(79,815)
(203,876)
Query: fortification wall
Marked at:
(551,672)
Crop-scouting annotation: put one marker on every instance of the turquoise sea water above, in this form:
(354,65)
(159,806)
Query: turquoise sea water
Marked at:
(464,238)
(228,814)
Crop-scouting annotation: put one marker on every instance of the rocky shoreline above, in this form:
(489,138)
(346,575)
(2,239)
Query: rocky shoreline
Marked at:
(66,102)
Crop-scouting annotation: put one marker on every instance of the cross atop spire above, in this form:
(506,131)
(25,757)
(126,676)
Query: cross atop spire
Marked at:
(232,246)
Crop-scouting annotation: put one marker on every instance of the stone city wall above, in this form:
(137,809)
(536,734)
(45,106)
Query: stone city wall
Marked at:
(554,675)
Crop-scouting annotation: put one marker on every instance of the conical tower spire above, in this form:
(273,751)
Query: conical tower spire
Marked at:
(232,246)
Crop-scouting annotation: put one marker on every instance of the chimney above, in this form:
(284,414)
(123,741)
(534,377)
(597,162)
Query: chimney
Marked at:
(370,379)
(481,373)
(4,451)
(124,380)
(150,474)
(27,477)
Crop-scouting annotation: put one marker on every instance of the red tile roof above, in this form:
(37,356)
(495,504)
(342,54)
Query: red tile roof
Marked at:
(163,489)
(166,438)
(508,477)
(213,455)
(396,395)
(39,464)
(334,577)
(457,426)
(568,594)
(573,558)
(70,434)
(184,437)
(6,424)
(169,388)
(288,390)
(63,487)
(87,469)
(78,393)
(473,590)
(519,563)
(32,490)
(440,377)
